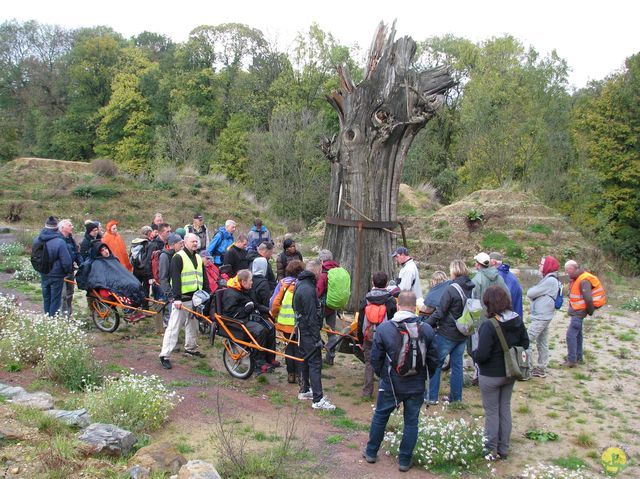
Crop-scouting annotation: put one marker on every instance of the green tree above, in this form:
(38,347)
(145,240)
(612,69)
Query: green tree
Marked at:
(607,132)
(232,147)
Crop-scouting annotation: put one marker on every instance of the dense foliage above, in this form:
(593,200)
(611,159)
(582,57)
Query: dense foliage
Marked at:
(228,101)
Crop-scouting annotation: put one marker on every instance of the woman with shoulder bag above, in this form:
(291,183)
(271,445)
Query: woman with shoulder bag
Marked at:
(495,386)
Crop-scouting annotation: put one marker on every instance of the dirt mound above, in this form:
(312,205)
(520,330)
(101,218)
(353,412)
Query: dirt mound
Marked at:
(516,224)
(46,163)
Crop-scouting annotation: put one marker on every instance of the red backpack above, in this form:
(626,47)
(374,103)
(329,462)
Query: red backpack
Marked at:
(374,314)
(155,264)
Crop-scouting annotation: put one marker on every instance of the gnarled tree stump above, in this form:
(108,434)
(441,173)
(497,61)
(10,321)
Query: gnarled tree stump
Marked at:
(379,119)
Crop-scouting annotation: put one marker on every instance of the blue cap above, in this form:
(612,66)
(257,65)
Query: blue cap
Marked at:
(400,250)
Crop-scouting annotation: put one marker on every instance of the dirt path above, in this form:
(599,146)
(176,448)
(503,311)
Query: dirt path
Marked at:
(592,407)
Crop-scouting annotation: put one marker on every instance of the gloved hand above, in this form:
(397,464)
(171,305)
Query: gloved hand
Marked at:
(249,307)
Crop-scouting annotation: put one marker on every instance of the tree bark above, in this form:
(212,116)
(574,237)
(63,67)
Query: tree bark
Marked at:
(379,119)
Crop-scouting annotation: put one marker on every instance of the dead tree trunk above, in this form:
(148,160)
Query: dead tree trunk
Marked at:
(379,119)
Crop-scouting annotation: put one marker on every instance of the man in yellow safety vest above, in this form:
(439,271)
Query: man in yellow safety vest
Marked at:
(187,276)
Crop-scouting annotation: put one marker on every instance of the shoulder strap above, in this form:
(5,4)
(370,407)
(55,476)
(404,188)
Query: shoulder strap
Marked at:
(500,334)
(460,292)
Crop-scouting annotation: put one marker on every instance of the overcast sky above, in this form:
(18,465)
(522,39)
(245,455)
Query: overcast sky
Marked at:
(594,37)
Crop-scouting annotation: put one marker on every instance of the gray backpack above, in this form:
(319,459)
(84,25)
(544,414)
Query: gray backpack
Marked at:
(467,323)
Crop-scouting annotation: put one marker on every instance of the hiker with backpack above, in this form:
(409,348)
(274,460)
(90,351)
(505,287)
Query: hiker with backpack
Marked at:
(437,285)
(377,306)
(543,298)
(152,258)
(199,229)
(281,307)
(175,244)
(289,253)
(309,318)
(586,294)
(502,331)
(66,229)
(403,356)
(138,256)
(408,278)
(449,339)
(221,241)
(257,235)
(333,289)
(50,257)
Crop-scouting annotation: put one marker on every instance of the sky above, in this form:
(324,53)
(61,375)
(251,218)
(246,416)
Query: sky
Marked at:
(594,37)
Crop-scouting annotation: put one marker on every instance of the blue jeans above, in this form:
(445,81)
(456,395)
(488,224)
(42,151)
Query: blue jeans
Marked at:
(51,293)
(456,350)
(574,340)
(384,407)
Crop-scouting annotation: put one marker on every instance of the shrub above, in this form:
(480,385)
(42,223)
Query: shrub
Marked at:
(134,402)
(444,445)
(57,345)
(496,241)
(167,175)
(91,191)
(104,167)
(11,249)
(632,304)
(26,273)
(474,215)
(548,471)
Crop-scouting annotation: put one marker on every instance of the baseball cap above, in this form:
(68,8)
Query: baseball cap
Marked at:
(495,255)
(400,250)
(482,258)
(198,216)
(173,238)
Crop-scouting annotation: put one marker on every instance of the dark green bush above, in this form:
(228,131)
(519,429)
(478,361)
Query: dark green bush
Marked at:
(90,191)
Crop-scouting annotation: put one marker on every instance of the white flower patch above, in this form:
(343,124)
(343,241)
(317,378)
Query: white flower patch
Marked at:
(550,471)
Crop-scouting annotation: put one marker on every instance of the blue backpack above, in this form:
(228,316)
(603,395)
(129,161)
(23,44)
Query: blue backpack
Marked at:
(559,299)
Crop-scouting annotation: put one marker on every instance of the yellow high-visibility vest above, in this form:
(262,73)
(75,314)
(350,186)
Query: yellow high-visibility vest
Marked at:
(191,278)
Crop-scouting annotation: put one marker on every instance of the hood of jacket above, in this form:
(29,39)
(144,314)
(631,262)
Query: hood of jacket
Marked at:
(403,316)
(259,266)
(490,273)
(263,229)
(224,233)
(378,296)
(95,249)
(307,276)
(327,265)
(234,283)
(47,234)
(510,320)
(504,267)
(464,282)
(109,225)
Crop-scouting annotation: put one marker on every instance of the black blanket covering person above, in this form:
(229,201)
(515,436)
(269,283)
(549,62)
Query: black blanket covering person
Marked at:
(108,273)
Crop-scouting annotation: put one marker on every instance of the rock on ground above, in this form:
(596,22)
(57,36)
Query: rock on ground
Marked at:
(198,470)
(11,391)
(38,400)
(108,439)
(79,417)
(139,472)
(159,457)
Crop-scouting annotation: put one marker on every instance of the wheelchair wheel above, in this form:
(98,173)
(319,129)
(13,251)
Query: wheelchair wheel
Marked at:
(105,317)
(204,327)
(239,363)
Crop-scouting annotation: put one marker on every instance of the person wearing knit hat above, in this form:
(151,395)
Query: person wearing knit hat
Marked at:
(542,297)
(58,265)
(289,253)
(91,233)
(181,232)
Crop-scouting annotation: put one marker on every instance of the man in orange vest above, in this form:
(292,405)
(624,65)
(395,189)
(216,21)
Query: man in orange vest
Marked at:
(586,294)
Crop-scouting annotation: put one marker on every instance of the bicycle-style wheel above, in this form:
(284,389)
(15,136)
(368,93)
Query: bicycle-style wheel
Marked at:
(238,360)
(105,317)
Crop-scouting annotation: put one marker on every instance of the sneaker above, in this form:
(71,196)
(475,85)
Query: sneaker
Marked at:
(432,403)
(369,459)
(194,354)
(490,455)
(404,467)
(306,396)
(538,373)
(165,363)
(264,368)
(291,378)
(324,404)
(503,457)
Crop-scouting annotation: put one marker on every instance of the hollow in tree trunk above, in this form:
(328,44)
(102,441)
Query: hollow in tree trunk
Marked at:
(379,119)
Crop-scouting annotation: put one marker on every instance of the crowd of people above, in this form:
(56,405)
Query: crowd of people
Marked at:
(406,338)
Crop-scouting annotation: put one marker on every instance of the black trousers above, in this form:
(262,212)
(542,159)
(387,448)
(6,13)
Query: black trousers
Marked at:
(264,336)
(311,368)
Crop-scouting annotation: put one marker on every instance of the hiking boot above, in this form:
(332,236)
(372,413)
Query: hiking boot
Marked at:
(306,396)
(538,373)
(291,378)
(194,354)
(569,364)
(404,467)
(324,404)
(369,459)
(328,360)
(165,363)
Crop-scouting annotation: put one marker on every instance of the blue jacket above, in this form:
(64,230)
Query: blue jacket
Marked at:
(386,345)
(72,246)
(432,299)
(514,288)
(59,257)
(256,237)
(219,245)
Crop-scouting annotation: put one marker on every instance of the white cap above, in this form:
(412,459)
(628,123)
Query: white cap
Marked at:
(482,258)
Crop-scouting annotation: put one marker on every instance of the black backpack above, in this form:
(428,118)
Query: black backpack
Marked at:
(412,350)
(40,257)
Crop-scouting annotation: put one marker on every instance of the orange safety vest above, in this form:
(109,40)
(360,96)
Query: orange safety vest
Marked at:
(598,295)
